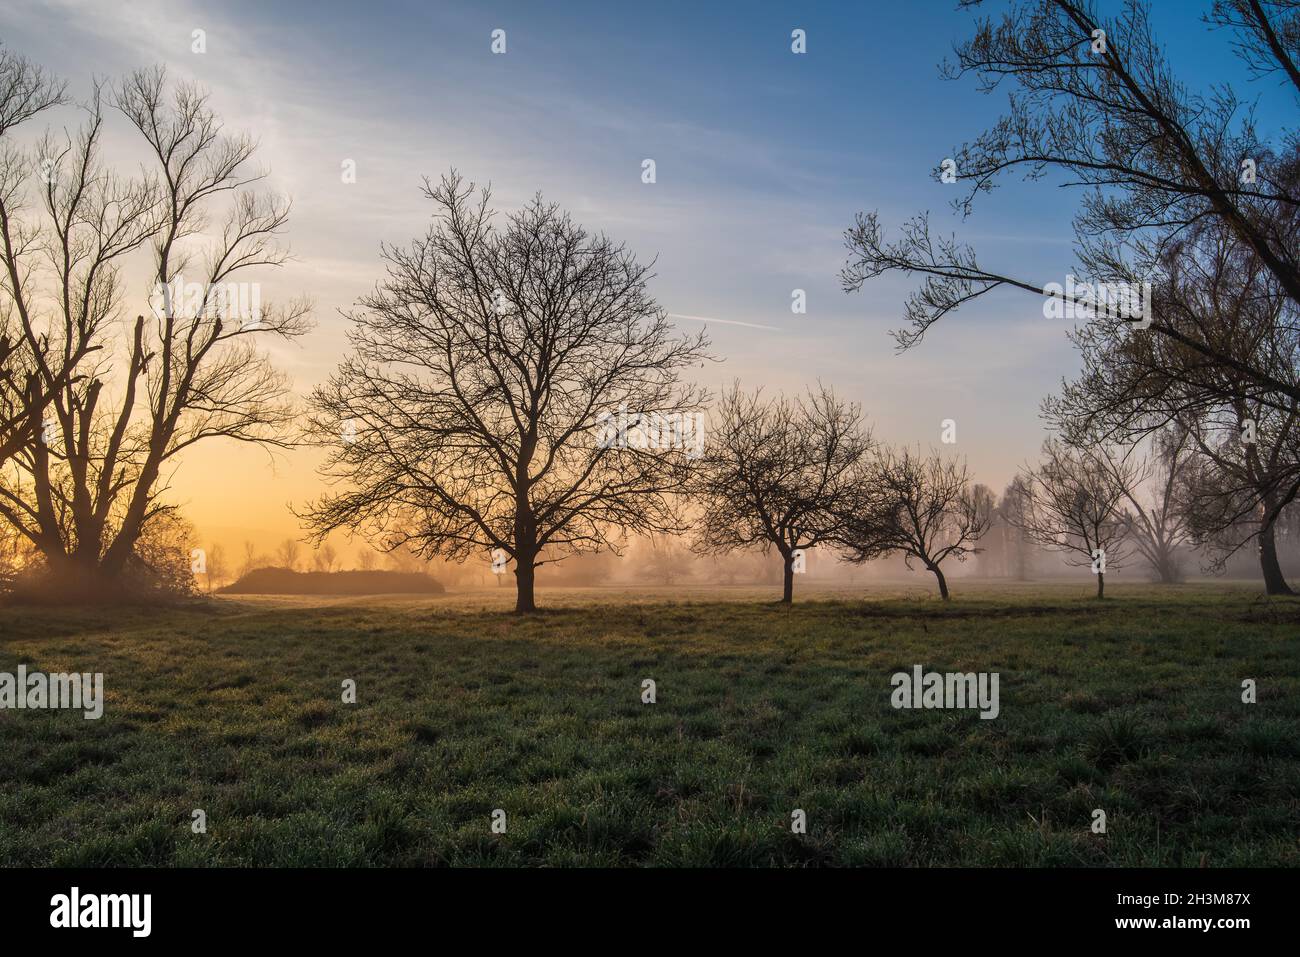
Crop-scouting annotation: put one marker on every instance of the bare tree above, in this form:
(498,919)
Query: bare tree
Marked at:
(666,560)
(1134,386)
(286,556)
(1267,35)
(779,473)
(922,506)
(1246,474)
(1158,522)
(1243,434)
(217,570)
(1075,507)
(367,560)
(324,558)
(474,411)
(251,559)
(187,373)
(1011,513)
(1096,100)
(27,385)
(986,503)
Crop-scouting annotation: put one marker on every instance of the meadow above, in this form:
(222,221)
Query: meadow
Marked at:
(234,706)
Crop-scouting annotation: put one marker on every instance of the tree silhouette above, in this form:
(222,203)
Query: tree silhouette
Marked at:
(1075,506)
(779,473)
(473,411)
(86,492)
(1096,100)
(922,506)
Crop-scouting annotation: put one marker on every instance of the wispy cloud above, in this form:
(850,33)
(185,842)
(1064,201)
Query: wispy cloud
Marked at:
(725,322)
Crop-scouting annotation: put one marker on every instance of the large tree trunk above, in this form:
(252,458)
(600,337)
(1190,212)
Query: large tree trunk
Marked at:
(77,579)
(943,582)
(1166,564)
(1274,582)
(787,582)
(525,573)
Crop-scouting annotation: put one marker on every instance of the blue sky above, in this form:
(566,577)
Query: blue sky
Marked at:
(763,157)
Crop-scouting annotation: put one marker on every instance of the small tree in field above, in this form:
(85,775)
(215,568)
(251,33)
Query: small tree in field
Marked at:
(1076,507)
(217,568)
(666,561)
(287,554)
(251,559)
(922,506)
(1011,510)
(324,558)
(779,473)
(1159,523)
(472,415)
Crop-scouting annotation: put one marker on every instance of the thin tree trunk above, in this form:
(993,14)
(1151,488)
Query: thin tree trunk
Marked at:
(943,582)
(787,584)
(1101,585)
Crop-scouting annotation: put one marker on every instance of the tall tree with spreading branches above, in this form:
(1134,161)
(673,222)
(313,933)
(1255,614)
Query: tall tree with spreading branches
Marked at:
(186,372)
(473,413)
(1243,434)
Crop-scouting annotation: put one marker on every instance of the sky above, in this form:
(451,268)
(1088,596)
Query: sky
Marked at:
(763,157)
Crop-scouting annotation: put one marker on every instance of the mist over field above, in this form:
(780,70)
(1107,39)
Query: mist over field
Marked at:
(685,438)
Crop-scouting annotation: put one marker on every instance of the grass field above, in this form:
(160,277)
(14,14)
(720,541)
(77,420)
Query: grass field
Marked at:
(1132,705)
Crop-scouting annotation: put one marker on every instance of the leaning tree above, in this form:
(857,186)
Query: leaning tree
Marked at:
(475,412)
(779,473)
(921,506)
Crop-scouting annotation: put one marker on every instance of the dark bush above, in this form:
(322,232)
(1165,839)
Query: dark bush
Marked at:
(286,581)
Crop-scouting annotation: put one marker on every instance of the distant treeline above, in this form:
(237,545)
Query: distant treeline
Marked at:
(286,581)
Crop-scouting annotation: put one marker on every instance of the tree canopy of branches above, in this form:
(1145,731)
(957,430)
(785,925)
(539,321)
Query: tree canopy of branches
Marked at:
(27,386)
(665,560)
(1133,386)
(1155,492)
(1097,101)
(1246,474)
(1075,506)
(779,473)
(125,401)
(922,506)
(482,370)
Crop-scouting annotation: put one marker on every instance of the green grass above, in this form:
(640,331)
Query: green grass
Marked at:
(1131,705)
